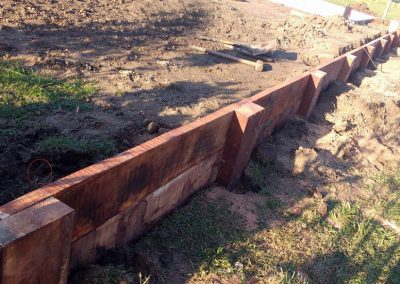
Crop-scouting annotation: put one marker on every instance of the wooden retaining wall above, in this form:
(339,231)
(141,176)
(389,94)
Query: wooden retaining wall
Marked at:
(73,220)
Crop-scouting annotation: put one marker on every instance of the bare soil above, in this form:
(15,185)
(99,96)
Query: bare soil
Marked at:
(137,54)
(351,138)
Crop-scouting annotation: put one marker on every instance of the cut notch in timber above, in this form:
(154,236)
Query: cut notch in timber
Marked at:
(380,48)
(387,45)
(242,136)
(347,68)
(368,55)
(312,92)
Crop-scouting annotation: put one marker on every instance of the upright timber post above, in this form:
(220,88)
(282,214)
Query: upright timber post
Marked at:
(380,47)
(347,68)
(242,137)
(35,244)
(369,53)
(388,44)
(311,93)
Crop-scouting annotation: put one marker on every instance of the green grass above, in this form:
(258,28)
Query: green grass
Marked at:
(376,6)
(25,93)
(93,146)
(341,245)
(204,231)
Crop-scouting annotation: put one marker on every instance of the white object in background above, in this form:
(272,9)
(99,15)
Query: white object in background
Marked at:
(394,26)
(323,8)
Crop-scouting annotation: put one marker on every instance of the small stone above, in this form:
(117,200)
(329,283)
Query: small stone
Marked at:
(146,122)
(153,127)
(238,266)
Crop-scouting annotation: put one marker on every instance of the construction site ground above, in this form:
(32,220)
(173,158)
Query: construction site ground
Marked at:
(318,203)
(91,75)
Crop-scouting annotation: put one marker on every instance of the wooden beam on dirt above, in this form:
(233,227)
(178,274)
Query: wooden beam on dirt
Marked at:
(312,92)
(258,65)
(347,68)
(35,244)
(242,136)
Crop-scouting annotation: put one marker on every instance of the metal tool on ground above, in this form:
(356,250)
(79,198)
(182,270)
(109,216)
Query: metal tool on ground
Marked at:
(258,65)
(254,50)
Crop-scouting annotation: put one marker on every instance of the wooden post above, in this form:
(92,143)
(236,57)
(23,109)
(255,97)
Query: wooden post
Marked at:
(347,68)
(35,244)
(387,45)
(393,40)
(312,92)
(369,53)
(242,136)
(396,41)
(347,13)
(380,47)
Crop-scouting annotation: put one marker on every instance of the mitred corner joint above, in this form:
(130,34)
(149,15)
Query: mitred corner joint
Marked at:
(242,137)
(35,244)
(347,68)
(369,53)
(312,92)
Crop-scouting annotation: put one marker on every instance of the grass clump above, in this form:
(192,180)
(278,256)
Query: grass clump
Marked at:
(204,230)
(376,6)
(24,92)
(93,146)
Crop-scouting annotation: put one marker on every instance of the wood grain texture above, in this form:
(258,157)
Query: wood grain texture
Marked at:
(35,244)
(138,218)
(101,191)
(242,136)
(312,92)
(369,51)
(280,102)
(347,68)
(388,44)
(332,70)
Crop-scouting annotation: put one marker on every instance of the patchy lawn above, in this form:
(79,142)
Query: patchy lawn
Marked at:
(376,6)
(209,241)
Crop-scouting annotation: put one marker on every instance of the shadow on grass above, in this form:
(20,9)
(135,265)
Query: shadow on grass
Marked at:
(206,241)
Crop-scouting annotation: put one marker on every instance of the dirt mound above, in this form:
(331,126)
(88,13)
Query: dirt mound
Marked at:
(353,135)
(363,7)
(302,32)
